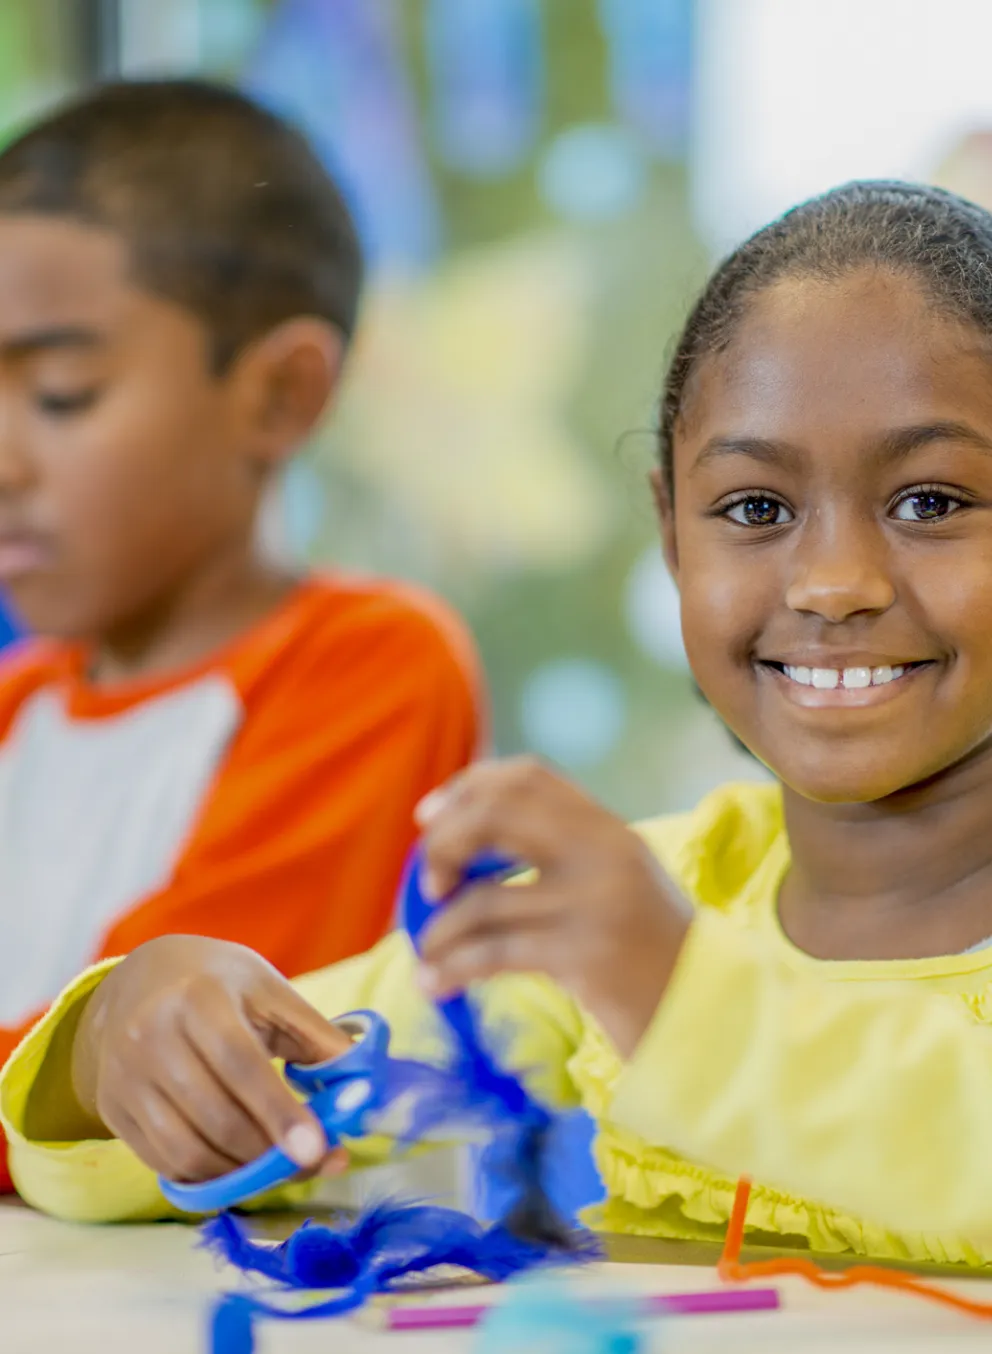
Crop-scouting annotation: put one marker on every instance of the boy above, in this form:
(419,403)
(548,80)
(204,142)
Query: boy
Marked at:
(202,742)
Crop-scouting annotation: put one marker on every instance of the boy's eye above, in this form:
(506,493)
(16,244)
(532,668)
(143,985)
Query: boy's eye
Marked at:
(60,403)
(925,505)
(758,510)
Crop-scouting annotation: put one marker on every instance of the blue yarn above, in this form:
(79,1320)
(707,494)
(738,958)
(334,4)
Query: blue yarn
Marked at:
(526,1140)
(383,1244)
(568,1174)
(231,1326)
(535,1225)
(232,1322)
(319,1257)
(225,1237)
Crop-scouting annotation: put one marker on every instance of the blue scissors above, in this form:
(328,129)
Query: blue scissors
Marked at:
(365,1092)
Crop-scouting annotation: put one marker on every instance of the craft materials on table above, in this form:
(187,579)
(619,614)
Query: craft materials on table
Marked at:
(735,1271)
(366,1092)
(711,1303)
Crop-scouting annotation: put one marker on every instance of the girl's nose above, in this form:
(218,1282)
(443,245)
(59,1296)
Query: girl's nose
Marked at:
(840,574)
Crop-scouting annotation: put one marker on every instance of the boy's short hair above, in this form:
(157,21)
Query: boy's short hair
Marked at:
(224,207)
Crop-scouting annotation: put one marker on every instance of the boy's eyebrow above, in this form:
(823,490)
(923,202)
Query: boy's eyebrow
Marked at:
(57,336)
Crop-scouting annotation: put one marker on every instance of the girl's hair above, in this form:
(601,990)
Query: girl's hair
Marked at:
(941,240)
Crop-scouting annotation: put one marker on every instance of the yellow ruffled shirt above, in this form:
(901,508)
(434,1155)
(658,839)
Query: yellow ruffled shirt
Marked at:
(868,1084)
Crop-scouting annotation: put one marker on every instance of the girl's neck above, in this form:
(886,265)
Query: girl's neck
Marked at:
(907,877)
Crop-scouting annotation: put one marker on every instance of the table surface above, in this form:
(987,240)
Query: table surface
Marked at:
(100,1290)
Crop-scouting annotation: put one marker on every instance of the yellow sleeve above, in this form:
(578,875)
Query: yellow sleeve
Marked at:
(878,1103)
(103,1181)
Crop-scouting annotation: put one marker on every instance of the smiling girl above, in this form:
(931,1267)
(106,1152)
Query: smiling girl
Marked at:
(793,980)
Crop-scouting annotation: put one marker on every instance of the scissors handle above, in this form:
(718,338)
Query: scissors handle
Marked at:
(344,1090)
(272,1168)
(341,1092)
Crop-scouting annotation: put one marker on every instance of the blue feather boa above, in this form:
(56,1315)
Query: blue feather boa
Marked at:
(389,1242)
(536,1172)
(534,1176)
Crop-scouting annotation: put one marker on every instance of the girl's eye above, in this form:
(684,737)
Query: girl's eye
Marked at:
(758,510)
(925,505)
(61,404)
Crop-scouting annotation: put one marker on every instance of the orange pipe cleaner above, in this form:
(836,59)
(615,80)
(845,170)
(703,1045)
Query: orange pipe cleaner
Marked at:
(732,1270)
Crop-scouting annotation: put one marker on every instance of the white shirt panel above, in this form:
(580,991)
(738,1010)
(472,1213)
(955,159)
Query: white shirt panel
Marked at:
(94,814)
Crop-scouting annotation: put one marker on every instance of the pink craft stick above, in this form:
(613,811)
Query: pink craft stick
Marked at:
(662,1304)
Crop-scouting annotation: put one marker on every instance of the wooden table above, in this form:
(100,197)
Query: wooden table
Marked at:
(68,1289)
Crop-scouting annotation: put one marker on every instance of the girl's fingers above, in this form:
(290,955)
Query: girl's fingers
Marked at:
(123,1125)
(517,808)
(217,1115)
(235,1055)
(335,1163)
(183,1153)
(293,1029)
(459,786)
(484,957)
(485,910)
(431,805)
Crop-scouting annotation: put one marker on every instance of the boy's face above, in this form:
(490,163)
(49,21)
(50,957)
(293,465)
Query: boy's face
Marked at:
(121,470)
(832,528)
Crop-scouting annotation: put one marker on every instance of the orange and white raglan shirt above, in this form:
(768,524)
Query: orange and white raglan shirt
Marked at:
(265,796)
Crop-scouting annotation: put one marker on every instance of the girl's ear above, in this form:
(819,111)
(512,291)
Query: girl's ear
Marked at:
(665,509)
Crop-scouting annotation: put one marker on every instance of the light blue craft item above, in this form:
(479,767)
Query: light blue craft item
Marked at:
(546,1316)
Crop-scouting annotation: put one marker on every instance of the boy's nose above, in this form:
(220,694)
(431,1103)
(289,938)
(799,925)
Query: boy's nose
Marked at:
(841,574)
(16,469)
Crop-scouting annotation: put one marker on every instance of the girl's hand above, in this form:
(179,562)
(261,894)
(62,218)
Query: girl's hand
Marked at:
(600,917)
(172,1054)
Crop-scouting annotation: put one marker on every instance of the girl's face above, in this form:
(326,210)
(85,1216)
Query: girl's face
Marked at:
(831,535)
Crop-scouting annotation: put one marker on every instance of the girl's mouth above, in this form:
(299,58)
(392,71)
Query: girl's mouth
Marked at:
(847,685)
(851,679)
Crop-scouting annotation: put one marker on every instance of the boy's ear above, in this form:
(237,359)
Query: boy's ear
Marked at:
(665,509)
(284,381)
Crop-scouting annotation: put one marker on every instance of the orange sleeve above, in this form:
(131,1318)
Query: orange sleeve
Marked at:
(300,850)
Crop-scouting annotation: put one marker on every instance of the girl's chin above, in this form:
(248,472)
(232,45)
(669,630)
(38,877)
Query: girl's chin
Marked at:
(854,789)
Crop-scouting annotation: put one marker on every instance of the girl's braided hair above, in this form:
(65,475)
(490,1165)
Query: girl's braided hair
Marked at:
(939,239)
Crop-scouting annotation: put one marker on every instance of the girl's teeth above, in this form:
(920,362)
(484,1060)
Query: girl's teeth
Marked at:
(881,674)
(852,679)
(855,678)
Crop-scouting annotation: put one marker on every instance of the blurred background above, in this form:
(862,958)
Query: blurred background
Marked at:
(541,186)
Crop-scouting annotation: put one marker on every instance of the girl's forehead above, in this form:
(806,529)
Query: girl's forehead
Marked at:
(867,350)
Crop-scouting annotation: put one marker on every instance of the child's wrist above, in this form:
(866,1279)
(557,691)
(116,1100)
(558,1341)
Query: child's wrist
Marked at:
(630,1015)
(85,1060)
